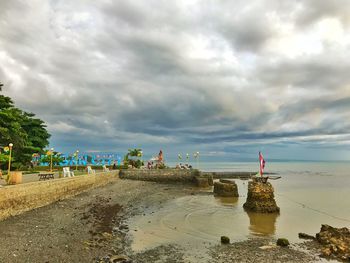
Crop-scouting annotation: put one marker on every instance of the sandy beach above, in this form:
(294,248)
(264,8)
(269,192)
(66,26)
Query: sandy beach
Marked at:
(97,226)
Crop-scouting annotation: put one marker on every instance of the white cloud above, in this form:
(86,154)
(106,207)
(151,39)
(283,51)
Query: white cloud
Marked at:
(179,73)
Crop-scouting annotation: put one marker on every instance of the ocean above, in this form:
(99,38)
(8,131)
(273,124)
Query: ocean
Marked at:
(309,194)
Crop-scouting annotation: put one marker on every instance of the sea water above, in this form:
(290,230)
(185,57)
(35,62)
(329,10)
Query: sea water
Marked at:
(309,194)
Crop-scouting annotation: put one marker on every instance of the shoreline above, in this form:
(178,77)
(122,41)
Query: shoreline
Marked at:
(93,226)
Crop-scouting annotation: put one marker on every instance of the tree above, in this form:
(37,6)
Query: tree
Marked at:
(27,133)
(56,158)
(134,162)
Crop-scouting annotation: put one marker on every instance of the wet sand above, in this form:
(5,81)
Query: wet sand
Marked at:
(137,221)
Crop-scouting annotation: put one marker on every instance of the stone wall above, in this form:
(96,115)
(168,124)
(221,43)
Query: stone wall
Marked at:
(160,175)
(17,199)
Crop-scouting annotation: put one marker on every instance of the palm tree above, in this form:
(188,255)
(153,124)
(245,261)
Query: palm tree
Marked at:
(133,153)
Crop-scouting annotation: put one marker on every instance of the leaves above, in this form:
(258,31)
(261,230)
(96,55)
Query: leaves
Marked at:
(27,133)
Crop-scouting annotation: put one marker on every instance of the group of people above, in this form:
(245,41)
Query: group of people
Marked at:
(185,166)
(159,161)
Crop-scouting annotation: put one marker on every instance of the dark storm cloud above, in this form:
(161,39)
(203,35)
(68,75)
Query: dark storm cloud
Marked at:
(115,74)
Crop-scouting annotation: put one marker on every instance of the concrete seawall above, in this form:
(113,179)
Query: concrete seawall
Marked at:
(160,175)
(20,198)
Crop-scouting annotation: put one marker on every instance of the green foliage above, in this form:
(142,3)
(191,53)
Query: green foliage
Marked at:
(135,153)
(56,158)
(3,158)
(161,166)
(27,133)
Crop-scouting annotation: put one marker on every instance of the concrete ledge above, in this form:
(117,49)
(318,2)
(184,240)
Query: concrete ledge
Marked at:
(160,175)
(20,198)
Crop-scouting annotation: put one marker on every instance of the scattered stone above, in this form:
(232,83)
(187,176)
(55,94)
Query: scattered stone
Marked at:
(266,247)
(282,242)
(335,242)
(118,258)
(106,235)
(226,188)
(225,240)
(306,236)
(261,198)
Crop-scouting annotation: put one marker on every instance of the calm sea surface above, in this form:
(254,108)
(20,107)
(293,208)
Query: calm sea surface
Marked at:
(309,194)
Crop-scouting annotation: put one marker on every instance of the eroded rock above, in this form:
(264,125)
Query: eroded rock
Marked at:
(201,181)
(261,198)
(226,188)
(335,242)
(306,236)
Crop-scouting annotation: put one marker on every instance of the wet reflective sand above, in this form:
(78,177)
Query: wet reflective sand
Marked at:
(201,219)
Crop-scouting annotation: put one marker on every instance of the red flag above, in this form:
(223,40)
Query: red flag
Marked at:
(262,163)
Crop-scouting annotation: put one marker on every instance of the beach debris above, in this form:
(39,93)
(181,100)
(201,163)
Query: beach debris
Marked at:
(261,198)
(306,236)
(226,188)
(335,242)
(225,240)
(282,242)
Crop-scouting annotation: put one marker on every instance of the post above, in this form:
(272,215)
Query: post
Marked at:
(51,159)
(196,156)
(76,157)
(9,168)
(198,160)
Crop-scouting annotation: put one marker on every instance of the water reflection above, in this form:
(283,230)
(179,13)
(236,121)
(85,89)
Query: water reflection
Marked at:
(227,201)
(262,224)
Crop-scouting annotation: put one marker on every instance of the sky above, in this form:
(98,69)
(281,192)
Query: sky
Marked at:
(225,78)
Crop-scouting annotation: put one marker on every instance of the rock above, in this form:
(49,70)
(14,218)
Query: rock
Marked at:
(226,189)
(201,181)
(267,247)
(210,181)
(225,240)
(227,181)
(335,242)
(118,258)
(306,236)
(282,242)
(261,198)
(106,235)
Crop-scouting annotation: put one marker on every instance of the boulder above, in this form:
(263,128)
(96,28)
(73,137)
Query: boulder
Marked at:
(282,242)
(335,242)
(225,240)
(226,189)
(261,198)
(306,236)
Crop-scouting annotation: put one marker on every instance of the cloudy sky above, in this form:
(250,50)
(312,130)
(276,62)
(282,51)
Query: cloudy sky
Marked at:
(226,78)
